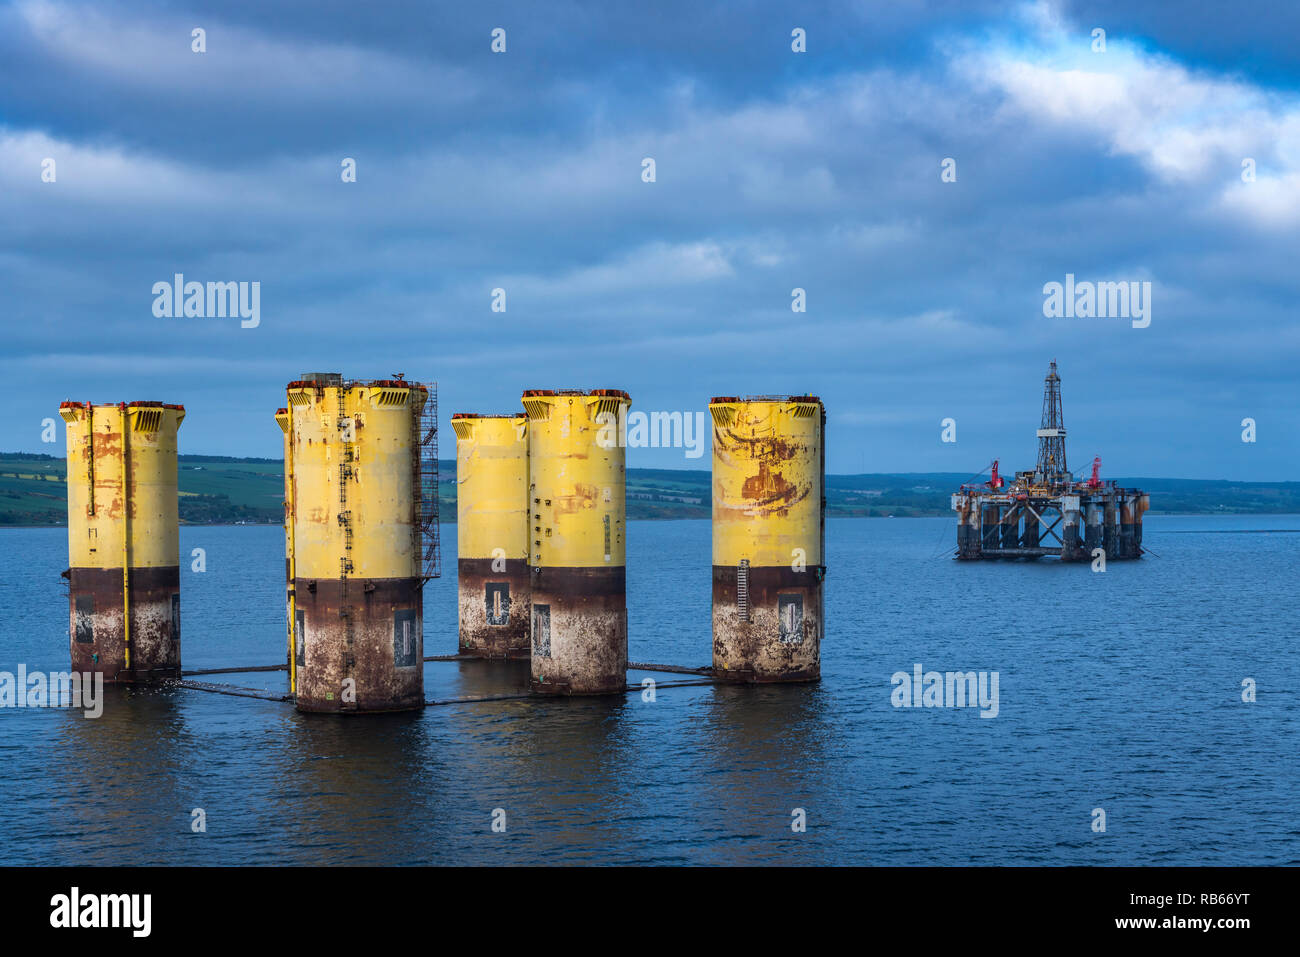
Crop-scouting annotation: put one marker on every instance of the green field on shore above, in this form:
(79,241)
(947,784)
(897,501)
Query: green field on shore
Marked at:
(218,490)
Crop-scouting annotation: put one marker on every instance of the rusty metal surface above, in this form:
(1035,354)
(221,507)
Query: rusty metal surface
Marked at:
(1108,518)
(1128,507)
(1031,537)
(991,525)
(1072,549)
(494,608)
(386,634)
(756,650)
(582,649)
(969,539)
(95,613)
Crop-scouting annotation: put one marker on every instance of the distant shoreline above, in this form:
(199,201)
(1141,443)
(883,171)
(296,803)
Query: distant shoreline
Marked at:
(226,491)
(705,518)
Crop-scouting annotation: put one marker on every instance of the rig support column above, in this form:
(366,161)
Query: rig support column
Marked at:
(1140,509)
(492,532)
(356,531)
(1092,527)
(123,540)
(968,522)
(1110,534)
(1010,526)
(1127,524)
(578,509)
(768,537)
(990,525)
(1072,542)
(1032,533)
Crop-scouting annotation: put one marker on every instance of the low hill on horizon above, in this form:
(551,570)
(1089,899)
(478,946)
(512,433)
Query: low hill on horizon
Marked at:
(224,490)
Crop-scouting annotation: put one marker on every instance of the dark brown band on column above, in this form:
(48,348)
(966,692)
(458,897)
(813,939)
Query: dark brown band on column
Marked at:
(773,631)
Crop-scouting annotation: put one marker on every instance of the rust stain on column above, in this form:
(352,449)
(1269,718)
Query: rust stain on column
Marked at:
(768,532)
(577,519)
(354,527)
(123,540)
(492,534)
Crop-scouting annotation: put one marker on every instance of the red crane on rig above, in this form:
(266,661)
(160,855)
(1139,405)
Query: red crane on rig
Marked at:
(995,480)
(1095,481)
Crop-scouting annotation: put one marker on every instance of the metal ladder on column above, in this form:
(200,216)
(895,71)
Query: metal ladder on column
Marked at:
(742,589)
(347,456)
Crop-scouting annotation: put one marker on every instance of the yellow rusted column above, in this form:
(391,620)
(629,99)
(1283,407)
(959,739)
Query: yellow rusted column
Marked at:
(577,491)
(123,539)
(354,535)
(768,525)
(492,534)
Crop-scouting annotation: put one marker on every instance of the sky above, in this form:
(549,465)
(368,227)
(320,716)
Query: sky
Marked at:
(922,171)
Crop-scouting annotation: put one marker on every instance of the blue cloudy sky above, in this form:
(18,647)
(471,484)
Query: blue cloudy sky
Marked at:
(774,170)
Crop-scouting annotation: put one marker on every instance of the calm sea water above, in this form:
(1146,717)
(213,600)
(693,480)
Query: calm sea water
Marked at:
(1119,691)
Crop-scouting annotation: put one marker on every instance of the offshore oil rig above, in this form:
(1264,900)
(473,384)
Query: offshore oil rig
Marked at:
(1046,512)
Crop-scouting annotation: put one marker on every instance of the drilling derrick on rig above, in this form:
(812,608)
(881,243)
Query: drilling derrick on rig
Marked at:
(1052,469)
(1045,512)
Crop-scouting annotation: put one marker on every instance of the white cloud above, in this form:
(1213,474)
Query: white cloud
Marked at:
(108,173)
(651,266)
(1189,128)
(239,65)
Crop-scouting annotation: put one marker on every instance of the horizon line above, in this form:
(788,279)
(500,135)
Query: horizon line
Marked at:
(644,468)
